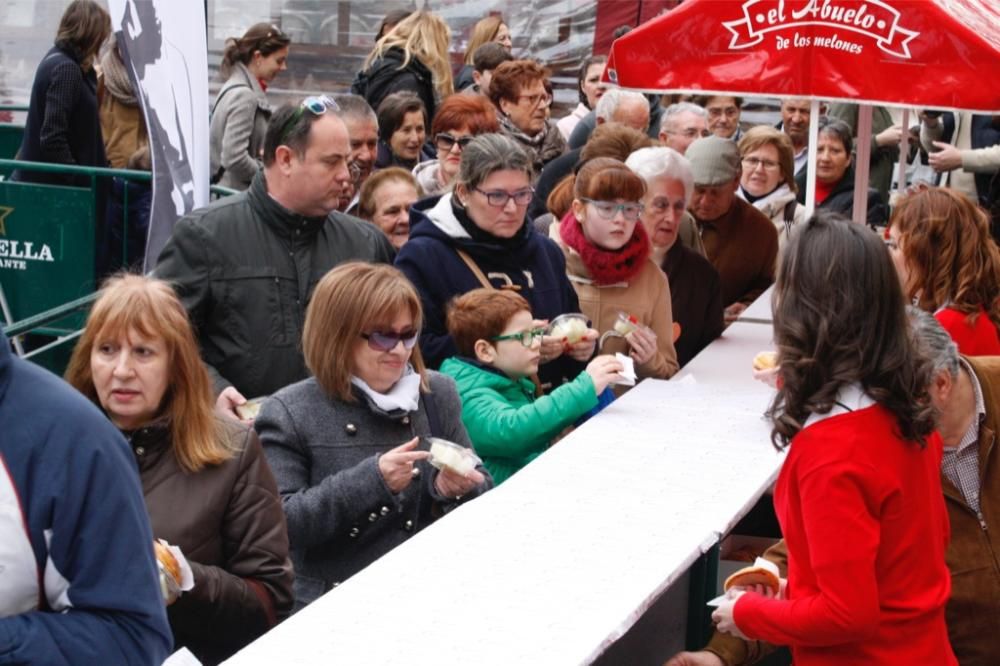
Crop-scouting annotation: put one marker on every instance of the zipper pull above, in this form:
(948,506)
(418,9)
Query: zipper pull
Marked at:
(982,521)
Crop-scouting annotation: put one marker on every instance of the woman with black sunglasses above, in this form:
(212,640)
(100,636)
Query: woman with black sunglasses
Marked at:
(349,446)
(457,121)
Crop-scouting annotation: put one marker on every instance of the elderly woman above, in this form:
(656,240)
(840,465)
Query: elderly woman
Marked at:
(489,30)
(768,178)
(241,110)
(477,236)
(520,92)
(949,264)
(349,445)
(607,259)
(588,81)
(835,174)
(385,201)
(695,289)
(459,118)
(207,485)
(402,130)
(859,493)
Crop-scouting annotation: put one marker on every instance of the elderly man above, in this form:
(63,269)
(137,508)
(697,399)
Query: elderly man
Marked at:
(362,131)
(682,124)
(966,394)
(739,240)
(795,115)
(77,572)
(695,289)
(245,267)
(620,106)
(723,115)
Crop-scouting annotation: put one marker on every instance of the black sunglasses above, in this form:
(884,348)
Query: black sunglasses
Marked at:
(385,341)
(446,141)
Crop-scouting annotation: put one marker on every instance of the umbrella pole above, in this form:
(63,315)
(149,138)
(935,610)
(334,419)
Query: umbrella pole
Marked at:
(904,153)
(811,161)
(862,163)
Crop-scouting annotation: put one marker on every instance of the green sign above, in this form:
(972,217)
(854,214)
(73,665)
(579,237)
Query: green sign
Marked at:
(46,246)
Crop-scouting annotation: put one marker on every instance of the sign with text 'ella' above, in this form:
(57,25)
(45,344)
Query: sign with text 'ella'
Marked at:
(46,246)
(929,53)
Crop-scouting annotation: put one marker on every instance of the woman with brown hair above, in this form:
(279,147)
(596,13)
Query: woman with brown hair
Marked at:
(949,264)
(768,178)
(413,57)
(349,445)
(459,118)
(385,200)
(521,93)
(63,126)
(491,29)
(607,260)
(207,486)
(402,132)
(859,494)
(241,110)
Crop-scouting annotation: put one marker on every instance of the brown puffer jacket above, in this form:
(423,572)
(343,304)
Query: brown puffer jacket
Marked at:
(228,521)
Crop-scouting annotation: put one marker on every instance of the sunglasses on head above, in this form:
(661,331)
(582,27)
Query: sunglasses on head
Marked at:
(385,341)
(315,105)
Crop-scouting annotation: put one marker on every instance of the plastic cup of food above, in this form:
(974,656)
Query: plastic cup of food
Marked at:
(569,327)
(248,410)
(451,456)
(626,323)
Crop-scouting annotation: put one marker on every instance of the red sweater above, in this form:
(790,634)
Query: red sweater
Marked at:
(865,523)
(977,339)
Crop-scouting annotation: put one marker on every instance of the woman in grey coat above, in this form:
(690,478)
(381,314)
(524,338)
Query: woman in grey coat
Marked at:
(241,110)
(349,446)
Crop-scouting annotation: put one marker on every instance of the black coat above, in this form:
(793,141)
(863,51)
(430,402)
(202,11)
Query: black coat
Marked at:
(386,75)
(841,199)
(63,125)
(245,268)
(696,300)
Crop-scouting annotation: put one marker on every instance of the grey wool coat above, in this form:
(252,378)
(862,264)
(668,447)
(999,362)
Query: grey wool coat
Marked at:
(324,455)
(236,135)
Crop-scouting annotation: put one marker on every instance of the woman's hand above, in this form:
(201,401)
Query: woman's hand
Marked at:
(723,615)
(451,484)
(701,658)
(643,343)
(228,401)
(583,350)
(397,465)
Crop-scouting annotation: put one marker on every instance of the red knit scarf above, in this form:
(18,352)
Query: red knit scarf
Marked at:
(607,266)
(263,84)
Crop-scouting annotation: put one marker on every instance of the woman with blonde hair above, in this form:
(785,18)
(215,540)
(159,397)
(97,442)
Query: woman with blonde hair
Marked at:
(206,483)
(349,446)
(768,178)
(949,264)
(491,29)
(413,57)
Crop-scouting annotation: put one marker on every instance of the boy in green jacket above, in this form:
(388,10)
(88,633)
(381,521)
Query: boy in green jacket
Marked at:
(499,346)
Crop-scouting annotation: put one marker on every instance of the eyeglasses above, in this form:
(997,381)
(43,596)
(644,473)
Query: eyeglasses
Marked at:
(535,100)
(499,198)
(315,105)
(606,209)
(385,341)
(728,111)
(690,133)
(661,205)
(527,337)
(446,141)
(752,163)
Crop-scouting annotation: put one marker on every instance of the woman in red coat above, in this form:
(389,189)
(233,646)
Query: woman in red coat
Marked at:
(950,265)
(858,497)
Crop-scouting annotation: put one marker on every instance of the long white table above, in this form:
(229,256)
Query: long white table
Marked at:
(556,564)
(760,310)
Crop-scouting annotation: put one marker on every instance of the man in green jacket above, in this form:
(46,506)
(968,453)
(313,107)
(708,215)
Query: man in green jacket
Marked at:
(499,344)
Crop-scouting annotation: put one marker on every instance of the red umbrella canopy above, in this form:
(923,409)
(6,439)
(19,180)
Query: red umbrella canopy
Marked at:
(929,53)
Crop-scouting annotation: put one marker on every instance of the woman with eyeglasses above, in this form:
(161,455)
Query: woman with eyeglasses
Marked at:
(207,486)
(402,132)
(768,178)
(477,235)
(349,446)
(458,120)
(608,262)
(385,200)
(241,111)
(521,93)
(835,174)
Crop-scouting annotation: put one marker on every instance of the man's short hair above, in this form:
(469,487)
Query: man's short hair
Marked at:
(703,100)
(481,314)
(289,126)
(677,109)
(489,56)
(612,99)
(354,106)
(933,341)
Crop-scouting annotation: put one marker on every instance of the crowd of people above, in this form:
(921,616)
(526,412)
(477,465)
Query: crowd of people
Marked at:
(433,256)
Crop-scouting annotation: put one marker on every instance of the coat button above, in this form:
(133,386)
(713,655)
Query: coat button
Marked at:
(408,526)
(384,511)
(335,584)
(372,517)
(406,420)
(354,532)
(351,429)
(415,473)
(140,451)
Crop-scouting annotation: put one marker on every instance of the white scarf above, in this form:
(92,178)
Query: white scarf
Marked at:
(404,394)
